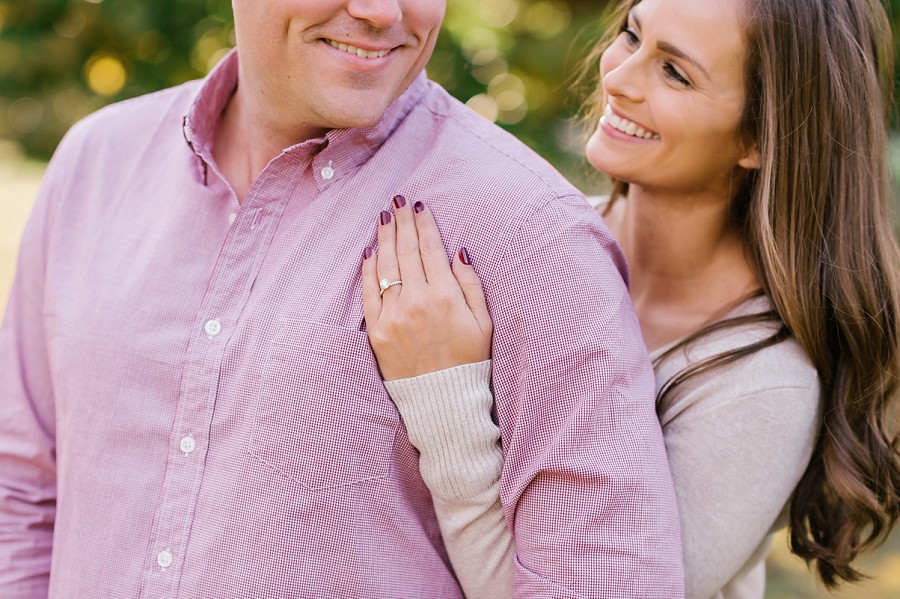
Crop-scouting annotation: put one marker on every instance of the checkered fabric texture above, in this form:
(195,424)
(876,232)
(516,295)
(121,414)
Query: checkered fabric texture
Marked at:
(189,406)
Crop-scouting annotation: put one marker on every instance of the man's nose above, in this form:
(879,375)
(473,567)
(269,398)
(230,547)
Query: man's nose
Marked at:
(380,13)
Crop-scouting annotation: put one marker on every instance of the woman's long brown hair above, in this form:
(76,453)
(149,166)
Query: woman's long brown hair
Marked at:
(816,219)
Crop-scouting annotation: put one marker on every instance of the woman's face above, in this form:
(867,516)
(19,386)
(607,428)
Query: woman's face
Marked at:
(673,88)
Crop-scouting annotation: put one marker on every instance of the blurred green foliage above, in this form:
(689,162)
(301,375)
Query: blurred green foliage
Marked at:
(511,60)
(62,59)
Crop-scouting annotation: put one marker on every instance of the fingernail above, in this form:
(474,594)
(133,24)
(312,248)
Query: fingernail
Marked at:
(418,207)
(464,256)
(385,217)
(367,253)
(399,201)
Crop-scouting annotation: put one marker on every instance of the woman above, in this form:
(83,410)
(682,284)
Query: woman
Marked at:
(746,140)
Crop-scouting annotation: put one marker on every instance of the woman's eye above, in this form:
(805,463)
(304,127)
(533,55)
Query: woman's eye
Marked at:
(675,75)
(631,38)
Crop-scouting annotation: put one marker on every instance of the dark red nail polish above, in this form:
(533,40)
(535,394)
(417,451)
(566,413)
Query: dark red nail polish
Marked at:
(399,201)
(464,256)
(418,207)
(385,217)
(367,253)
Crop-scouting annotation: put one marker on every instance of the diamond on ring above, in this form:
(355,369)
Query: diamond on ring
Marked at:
(385,284)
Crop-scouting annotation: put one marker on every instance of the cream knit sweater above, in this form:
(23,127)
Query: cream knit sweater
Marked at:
(738,441)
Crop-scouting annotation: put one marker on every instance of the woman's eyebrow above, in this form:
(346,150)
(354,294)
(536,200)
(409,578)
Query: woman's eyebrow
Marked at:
(670,49)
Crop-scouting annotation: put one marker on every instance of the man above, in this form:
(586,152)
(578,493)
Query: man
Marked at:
(188,403)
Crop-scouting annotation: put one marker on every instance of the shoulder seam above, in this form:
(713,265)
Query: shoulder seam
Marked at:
(555,193)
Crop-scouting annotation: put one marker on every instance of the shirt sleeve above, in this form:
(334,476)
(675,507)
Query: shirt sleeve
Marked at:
(27,421)
(448,417)
(736,453)
(586,487)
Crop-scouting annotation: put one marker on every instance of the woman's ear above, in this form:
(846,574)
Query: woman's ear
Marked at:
(751,160)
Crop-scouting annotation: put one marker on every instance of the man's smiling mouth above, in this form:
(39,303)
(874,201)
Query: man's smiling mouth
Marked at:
(349,49)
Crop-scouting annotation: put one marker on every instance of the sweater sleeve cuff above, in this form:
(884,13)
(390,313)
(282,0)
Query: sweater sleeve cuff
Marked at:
(448,419)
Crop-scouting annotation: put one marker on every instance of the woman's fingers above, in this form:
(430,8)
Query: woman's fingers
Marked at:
(473,292)
(424,325)
(370,289)
(387,268)
(431,248)
(407,245)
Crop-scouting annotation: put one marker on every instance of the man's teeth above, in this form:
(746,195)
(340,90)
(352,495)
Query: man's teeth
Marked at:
(626,126)
(358,51)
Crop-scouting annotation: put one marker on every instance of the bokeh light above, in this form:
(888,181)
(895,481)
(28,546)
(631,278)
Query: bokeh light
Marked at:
(484,105)
(25,115)
(499,13)
(105,75)
(548,18)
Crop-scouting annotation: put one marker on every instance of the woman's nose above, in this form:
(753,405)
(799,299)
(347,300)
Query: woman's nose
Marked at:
(621,74)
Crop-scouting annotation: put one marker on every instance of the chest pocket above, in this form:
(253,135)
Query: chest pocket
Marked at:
(323,417)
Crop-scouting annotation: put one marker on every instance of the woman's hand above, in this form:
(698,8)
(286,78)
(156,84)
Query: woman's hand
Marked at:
(437,318)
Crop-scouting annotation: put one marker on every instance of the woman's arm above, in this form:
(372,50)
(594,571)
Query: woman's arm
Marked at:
(738,440)
(431,335)
(448,418)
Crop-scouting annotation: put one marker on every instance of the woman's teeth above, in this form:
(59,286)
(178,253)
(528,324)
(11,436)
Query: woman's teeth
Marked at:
(625,126)
(358,51)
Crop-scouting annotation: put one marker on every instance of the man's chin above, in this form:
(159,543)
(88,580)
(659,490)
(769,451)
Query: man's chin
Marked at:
(355,119)
(357,108)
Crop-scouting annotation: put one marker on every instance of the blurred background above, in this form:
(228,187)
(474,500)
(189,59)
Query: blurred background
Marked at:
(62,59)
(509,60)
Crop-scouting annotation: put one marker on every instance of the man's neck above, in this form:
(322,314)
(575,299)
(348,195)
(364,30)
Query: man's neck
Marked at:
(246,142)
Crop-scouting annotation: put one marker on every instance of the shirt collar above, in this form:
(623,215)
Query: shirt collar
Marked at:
(350,146)
(206,109)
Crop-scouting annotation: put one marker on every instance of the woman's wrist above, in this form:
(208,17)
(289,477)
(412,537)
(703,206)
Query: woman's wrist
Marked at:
(448,419)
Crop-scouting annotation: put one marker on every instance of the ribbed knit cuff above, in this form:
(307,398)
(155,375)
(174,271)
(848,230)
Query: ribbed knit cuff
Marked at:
(448,418)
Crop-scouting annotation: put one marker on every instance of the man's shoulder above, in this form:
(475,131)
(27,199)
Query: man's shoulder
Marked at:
(490,155)
(132,119)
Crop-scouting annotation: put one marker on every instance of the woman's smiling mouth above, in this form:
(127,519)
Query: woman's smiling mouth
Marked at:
(625,126)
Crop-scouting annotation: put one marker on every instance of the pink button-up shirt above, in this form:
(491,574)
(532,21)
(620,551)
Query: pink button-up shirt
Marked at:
(189,406)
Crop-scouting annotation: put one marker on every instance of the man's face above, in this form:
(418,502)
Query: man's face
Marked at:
(308,65)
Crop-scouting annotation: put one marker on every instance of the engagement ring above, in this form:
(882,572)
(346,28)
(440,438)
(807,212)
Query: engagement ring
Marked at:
(385,285)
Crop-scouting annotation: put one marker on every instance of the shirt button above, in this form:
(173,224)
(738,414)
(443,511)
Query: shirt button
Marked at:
(327,172)
(213,327)
(231,218)
(187,444)
(164,558)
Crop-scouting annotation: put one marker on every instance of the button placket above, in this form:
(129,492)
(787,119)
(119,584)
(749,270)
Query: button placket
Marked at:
(228,290)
